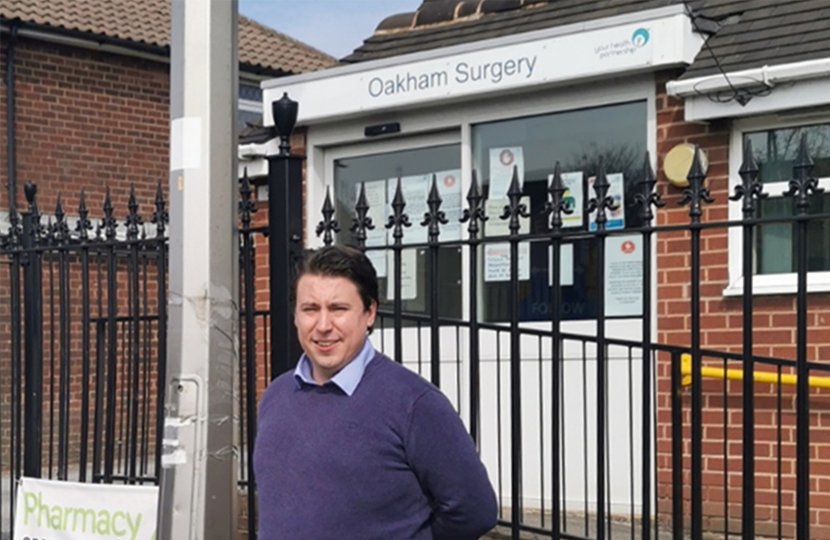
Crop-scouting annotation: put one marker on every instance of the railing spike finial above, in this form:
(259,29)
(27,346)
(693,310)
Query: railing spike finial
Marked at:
(60,229)
(515,208)
(750,189)
(84,225)
(696,193)
(361,222)
(108,223)
(803,184)
(160,216)
(601,202)
(247,206)
(399,219)
(434,216)
(647,196)
(30,190)
(557,204)
(328,225)
(475,210)
(133,219)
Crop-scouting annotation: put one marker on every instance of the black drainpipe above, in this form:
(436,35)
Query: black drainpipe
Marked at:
(10,117)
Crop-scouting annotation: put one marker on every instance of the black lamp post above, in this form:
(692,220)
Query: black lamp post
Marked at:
(285,235)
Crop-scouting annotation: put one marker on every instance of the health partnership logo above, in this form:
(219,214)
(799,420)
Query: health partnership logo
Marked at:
(637,41)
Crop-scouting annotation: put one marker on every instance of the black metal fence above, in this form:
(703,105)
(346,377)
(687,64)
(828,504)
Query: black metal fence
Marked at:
(569,424)
(599,433)
(82,345)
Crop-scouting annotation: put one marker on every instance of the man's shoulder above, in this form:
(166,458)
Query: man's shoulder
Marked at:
(282,385)
(392,376)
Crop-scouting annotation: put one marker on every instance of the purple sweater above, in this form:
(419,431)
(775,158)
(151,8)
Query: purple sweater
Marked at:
(391,462)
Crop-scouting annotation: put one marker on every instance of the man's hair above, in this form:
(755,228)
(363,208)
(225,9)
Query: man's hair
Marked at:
(340,261)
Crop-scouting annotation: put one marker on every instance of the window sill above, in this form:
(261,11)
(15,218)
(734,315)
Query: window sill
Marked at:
(817,282)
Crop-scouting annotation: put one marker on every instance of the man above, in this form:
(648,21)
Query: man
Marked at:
(351,445)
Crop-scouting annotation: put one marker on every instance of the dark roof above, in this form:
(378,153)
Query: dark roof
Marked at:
(454,22)
(147,23)
(747,33)
(766,33)
(254,133)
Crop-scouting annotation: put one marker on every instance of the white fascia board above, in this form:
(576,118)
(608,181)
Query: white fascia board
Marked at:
(787,97)
(636,42)
(765,75)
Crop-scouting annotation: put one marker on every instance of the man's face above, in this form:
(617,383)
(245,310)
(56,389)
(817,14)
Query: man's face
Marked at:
(331,322)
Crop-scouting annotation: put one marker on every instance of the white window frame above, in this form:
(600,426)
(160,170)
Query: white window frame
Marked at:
(764,284)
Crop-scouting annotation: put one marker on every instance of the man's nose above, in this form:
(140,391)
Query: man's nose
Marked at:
(324,321)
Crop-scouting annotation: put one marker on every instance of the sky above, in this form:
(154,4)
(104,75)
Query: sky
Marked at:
(335,27)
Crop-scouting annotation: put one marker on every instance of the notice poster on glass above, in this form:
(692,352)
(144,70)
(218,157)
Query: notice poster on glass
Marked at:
(449,188)
(495,226)
(616,217)
(409,275)
(376,199)
(573,197)
(566,265)
(415,190)
(497,256)
(502,163)
(497,262)
(624,276)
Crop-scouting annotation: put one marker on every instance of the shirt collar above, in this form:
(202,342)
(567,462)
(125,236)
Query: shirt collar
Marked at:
(346,379)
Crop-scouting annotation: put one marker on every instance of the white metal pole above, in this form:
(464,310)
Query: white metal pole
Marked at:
(199,493)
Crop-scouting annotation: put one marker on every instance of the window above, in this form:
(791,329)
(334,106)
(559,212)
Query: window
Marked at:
(578,139)
(379,173)
(250,106)
(775,149)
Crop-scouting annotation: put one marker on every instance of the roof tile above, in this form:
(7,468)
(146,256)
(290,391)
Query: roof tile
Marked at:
(148,22)
(751,33)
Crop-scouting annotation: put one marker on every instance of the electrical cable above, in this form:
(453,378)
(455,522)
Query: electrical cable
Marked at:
(740,95)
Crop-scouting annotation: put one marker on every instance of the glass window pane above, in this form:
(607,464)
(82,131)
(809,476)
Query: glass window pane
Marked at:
(579,140)
(775,247)
(776,149)
(415,167)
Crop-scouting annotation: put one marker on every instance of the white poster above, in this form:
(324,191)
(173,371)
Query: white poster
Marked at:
(566,265)
(409,275)
(497,256)
(616,217)
(74,511)
(497,262)
(415,190)
(376,199)
(502,163)
(624,276)
(495,226)
(574,198)
(449,187)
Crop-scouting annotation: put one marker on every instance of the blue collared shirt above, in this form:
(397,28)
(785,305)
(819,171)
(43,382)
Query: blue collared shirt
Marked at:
(346,379)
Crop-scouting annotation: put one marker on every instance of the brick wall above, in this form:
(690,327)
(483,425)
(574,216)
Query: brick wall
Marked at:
(87,119)
(84,120)
(721,322)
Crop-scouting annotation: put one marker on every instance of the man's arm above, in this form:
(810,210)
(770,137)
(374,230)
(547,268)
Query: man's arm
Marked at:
(444,458)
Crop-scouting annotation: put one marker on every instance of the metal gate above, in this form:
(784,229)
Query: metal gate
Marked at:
(552,411)
(82,344)
(585,435)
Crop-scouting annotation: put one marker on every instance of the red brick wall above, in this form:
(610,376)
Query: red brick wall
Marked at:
(84,120)
(721,323)
(87,119)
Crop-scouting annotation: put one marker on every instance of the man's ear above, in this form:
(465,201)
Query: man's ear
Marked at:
(373,310)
